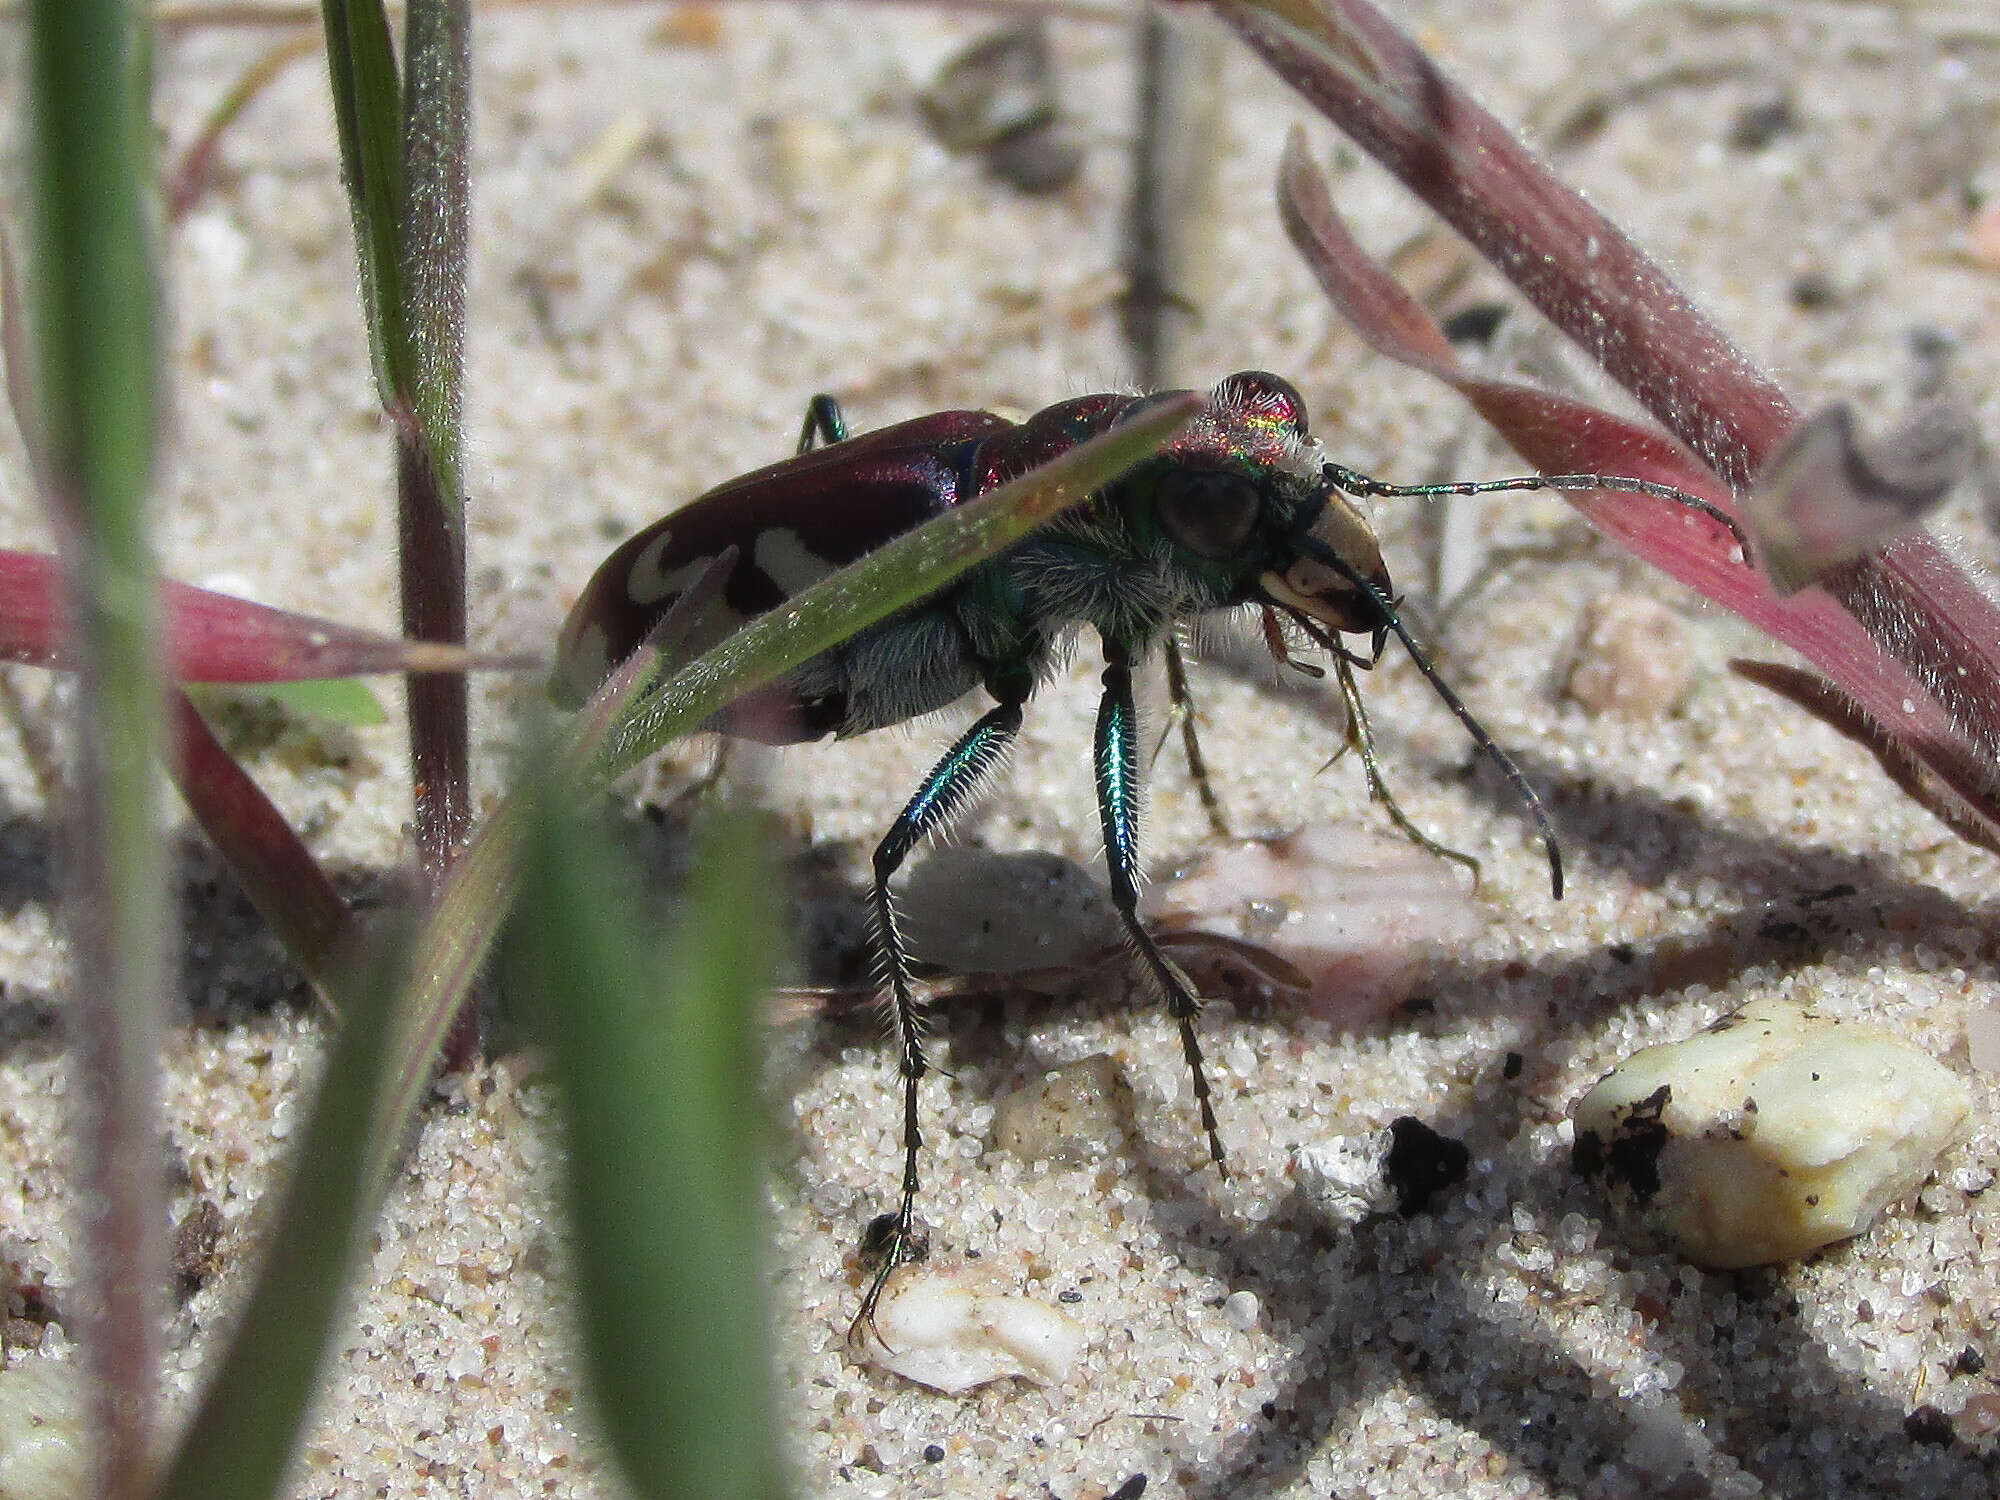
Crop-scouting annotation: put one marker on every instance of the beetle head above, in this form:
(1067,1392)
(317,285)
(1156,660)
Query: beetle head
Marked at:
(1245,486)
(1331,572)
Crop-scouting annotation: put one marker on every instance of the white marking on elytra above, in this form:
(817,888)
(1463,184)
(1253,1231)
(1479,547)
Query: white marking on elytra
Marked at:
(583,662)
(646,585)
(788,562)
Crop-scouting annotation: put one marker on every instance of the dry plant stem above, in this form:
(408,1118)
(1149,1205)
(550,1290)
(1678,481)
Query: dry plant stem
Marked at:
(433,560)
(1170,228)
(189,179)
(1932,638)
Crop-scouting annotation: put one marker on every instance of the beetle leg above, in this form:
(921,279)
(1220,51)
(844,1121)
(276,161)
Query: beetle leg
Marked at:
(944,793)
(1361,736)
(825,424)
(1183,710)
(1118,810)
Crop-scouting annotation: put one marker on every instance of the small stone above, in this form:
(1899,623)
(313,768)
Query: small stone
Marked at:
(43,1446)
(1982,1038)
(1242,1309)
(1928,1426)
(976,912)
(1979,1418)
(1634,658)
(195,1239)
(954,1329)
(1982,237)
(1421,1162)
(1070,1115)
(1345,1176)
(1773,1133)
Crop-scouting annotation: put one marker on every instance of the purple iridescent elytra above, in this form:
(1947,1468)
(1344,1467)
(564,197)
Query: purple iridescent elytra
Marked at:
(1107,564)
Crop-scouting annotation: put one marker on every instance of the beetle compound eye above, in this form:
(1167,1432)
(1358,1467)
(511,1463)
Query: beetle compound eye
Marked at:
(1267,395)
(1207,511)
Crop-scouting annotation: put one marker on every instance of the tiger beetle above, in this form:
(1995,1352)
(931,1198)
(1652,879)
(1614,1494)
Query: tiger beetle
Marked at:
(1241,509)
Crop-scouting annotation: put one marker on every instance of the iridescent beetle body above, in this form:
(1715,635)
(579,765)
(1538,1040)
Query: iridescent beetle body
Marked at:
(1240,509)
(1108,564)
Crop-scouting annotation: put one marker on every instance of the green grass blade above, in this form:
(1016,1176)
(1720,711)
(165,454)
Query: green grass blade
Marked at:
(885,581)
(656,1050)
(437,131)
(368,115)
(241,1440)
(97,356)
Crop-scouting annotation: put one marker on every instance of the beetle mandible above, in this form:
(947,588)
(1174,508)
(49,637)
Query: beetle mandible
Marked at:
(1240,509)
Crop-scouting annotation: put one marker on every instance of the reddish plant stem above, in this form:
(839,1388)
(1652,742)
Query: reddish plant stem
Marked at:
(1588,278)
(433,563)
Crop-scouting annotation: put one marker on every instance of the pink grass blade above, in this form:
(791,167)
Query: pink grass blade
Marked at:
(1583,272)
(216,638)
(1963,810)
(1933,668)
(278,873)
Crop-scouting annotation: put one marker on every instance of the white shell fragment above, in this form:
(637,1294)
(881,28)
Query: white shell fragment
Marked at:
(956,1329)
(1360,914)
(1070,1115)
(1774,1132)
(42,1447)
(973,911)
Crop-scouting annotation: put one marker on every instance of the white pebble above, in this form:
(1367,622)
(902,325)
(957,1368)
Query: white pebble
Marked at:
(1774,1132)
(42,1443)
(1634,660)
(1070,1115)
(955,1329)
(1982,1038)
(1242,1309)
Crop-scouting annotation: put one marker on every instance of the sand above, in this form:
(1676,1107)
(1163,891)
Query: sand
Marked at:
(783,225)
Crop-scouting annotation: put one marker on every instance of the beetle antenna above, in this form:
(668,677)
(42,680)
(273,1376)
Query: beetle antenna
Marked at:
(1483,741)
(1356,483)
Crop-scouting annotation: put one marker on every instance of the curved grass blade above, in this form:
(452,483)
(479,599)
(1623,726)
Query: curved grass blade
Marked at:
(368,115)
(278,873)
(242,1437)
(656,1049)
(887,580)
